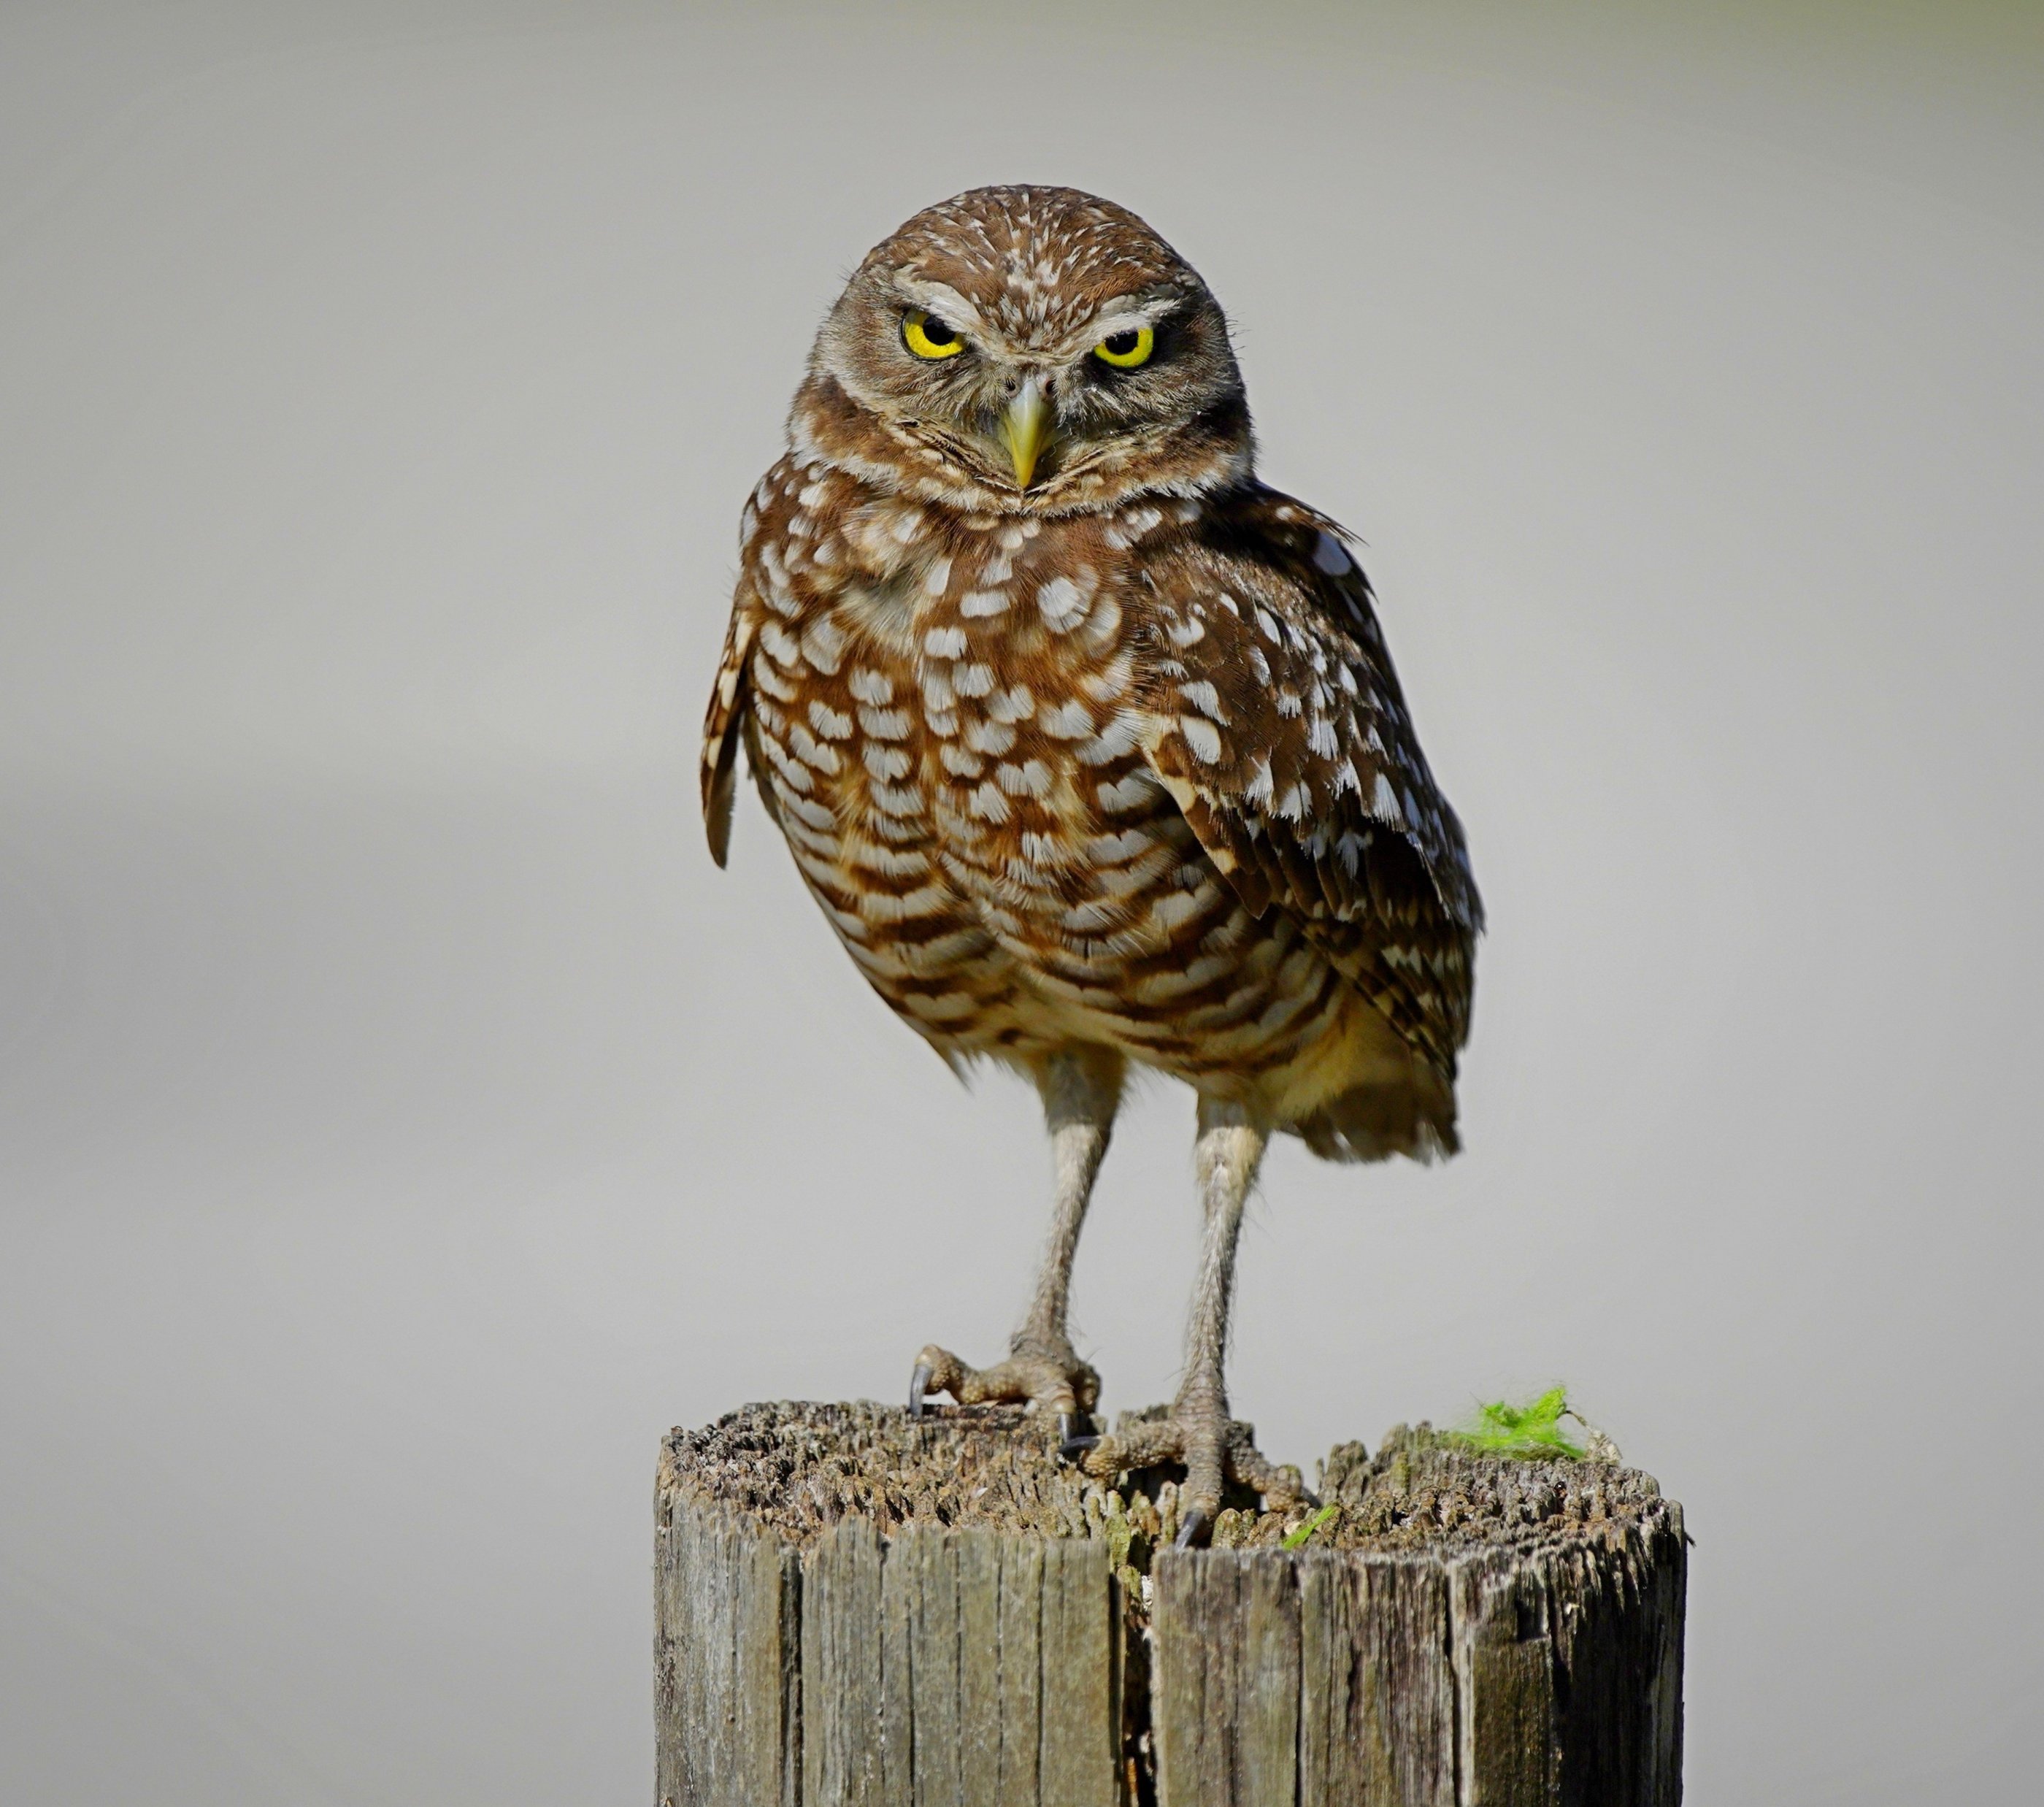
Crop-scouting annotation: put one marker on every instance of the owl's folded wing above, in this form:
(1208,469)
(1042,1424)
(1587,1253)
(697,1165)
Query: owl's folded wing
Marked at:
(724,724)
(1273,717)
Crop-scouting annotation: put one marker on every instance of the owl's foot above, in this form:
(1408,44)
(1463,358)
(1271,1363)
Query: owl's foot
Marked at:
(1042,1370)
(1214,1449)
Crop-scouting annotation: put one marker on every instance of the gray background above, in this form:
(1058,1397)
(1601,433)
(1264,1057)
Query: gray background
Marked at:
(401,1123)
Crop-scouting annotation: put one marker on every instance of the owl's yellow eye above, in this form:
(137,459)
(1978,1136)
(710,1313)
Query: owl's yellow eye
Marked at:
(1126,350)
(929,337)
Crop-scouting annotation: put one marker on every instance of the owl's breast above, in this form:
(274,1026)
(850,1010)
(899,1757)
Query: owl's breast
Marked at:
(946,718)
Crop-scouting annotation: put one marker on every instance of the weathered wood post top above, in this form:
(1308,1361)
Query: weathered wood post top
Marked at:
(857,1610)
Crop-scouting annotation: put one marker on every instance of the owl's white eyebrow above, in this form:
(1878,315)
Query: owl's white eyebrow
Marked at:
(1128,319)
(944,301)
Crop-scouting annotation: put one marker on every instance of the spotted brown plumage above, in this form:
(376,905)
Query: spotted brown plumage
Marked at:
(1088,744)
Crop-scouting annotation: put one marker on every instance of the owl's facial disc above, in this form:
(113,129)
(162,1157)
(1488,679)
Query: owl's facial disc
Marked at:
(1015,408)
(1025,426)
(1030,350)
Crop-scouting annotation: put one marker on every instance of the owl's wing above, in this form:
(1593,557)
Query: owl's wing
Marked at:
(1273,716)
(726,722)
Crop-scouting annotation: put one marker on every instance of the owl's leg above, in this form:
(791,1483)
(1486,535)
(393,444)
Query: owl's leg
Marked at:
(1081,1089)
(1214,1448)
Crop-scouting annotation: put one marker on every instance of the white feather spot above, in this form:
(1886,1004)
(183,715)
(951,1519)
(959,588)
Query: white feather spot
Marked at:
(823,642)
(994,737)
(827,722)
(1175,908)
(946,1007)
(768,678)
(1118,737)
(895,800)
(813,751)
(1112,850)
(882,907)
(1202,735)
(1061,603)
(1125,793)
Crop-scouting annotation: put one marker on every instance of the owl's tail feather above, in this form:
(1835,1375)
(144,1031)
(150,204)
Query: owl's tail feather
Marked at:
(1372,1122)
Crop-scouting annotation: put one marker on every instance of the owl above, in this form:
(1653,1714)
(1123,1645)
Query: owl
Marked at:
(1088,746)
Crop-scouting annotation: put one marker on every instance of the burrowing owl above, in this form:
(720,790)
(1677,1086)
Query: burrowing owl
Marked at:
(1089,747)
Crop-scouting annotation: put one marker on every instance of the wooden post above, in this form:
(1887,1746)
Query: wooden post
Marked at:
(854,1609)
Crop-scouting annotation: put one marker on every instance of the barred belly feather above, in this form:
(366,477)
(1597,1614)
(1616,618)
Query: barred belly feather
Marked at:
(976,733)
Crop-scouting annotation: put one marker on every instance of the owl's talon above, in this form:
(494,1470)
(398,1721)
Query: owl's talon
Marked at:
(1189,1528)
(1073,1446)
(1212,1448)
(1039,1371)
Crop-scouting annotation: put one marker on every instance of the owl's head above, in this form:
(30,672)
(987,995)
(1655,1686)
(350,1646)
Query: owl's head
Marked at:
(1026,349)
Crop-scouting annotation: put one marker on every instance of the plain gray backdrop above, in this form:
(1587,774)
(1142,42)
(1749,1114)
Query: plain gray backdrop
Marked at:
(402,1123)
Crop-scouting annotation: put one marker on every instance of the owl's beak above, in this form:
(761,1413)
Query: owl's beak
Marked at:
(1025,428)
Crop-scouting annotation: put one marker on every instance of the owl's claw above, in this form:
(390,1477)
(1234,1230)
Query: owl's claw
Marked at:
(1214,1449)
(1039,1371)
(1073,1443)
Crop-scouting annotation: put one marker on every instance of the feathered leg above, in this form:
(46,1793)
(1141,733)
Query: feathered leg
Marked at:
(1081,1089)
(1214,1448)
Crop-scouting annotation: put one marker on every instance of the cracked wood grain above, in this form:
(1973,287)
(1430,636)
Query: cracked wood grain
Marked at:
(852,1612)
